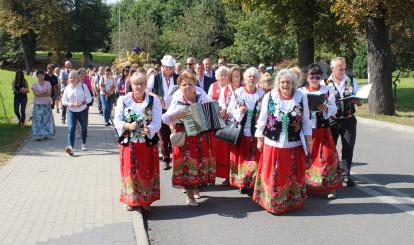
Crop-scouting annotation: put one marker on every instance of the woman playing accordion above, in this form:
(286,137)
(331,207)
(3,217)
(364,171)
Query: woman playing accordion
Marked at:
(193,162)
(282,128)
(137,119)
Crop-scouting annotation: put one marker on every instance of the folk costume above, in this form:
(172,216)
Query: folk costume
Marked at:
(220,148)
(140,173)
(244,157)
(280,181)
(324,173)
(193,163)
(344,123)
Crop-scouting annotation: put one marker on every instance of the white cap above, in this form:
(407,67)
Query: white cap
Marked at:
(168,60)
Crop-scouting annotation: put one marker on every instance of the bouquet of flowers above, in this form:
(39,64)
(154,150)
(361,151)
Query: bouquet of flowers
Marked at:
(131,117)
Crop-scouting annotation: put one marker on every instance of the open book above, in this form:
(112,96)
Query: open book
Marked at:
(362,94)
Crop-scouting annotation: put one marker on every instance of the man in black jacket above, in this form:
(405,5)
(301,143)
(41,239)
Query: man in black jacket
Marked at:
(161,84)
(203,81)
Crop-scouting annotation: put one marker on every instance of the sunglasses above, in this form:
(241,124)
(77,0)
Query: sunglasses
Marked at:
(312,77)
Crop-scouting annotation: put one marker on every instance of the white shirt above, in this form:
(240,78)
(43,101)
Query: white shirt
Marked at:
(341,88)
(331,110)
(165,86)
(175,107)
(224,99)
(75,94)
(108,83)
(250,100)
(127,102)
(284,106)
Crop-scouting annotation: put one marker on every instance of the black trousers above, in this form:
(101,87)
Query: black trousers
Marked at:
(346,128)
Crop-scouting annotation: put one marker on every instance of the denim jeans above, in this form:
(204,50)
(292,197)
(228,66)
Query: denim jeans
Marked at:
(73,118)
(107,104)
(20,101)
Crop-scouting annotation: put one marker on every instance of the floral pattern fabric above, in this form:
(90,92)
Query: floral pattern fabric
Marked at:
(43,124)
(140,176)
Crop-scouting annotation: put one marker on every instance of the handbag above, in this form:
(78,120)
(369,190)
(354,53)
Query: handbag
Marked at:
(177,139)
(90,103)
(233,132)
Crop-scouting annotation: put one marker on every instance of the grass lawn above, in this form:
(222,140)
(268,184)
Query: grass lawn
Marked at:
(11,136)
(99,57)
(404,106)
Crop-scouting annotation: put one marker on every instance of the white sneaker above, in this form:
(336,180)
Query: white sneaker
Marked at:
(84,147)
(69,150)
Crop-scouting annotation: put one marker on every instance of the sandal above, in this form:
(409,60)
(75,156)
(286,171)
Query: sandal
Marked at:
(192,203)
(128,208)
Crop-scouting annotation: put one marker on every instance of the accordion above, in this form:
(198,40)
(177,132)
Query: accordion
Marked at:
(203,117)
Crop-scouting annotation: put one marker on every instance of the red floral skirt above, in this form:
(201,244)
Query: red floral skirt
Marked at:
(244,159)
(221,150)
(324,173)
(280,181)
(193,163)
(140,174)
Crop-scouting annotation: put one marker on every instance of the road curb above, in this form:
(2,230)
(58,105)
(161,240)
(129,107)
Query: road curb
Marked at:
(141,236)
(388,125)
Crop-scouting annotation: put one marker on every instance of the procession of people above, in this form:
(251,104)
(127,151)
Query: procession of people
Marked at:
(287,127)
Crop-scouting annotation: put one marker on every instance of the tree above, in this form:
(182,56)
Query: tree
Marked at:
(374,18)
(194,35)
(254,44)
(136,33)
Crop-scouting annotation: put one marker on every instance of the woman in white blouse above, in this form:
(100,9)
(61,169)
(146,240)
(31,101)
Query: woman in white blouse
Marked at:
(284,133)
(76,97)
(137,120)
(107,94)
(324,173)
(193,163)
(244,107)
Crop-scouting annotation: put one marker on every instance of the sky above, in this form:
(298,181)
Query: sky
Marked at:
(111,1)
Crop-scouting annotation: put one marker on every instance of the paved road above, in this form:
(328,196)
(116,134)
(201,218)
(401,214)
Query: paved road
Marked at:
(379,211)
(47,197)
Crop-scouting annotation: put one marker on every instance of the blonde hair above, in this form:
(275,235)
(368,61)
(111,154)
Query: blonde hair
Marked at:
(232,70)
(74,73)
(186,75)
(266,82)
(221,70)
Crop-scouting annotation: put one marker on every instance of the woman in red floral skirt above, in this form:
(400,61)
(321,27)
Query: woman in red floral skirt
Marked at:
(282,126)
(137,119)
(193,163)
(324,173)
(245,108)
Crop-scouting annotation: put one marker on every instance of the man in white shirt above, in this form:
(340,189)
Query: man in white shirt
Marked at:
(208,68)
(161,84)
(203,81)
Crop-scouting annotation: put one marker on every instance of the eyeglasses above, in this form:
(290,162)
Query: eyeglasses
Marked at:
(311,77)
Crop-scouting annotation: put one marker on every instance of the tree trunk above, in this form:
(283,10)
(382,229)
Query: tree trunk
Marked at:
(25,58)
(306,50)
(379,67)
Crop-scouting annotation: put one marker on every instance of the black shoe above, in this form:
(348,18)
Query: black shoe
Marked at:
(348,182)
(243,191)
(107,124)
(167,166)
(101,112)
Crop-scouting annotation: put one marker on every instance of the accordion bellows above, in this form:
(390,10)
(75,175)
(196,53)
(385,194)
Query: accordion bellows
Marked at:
(203,117)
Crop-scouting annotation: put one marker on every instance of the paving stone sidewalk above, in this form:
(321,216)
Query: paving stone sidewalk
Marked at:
(48,197)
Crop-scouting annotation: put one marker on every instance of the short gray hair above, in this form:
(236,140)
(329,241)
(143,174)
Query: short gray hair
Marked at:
(74,73)
(286,73)
(251,70)
(220,70)
(336,60)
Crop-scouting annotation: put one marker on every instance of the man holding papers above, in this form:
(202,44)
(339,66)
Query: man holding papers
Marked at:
(343,123)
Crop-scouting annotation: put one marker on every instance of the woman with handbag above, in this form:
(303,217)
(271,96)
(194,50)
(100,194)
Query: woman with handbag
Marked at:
(324,173)
(235,82)
(193,161)
(284,133)
(76,98)
(107,94)
(138,119)
(220,148)
(245,108)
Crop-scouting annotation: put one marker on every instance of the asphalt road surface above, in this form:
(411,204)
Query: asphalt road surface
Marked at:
(379,210)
